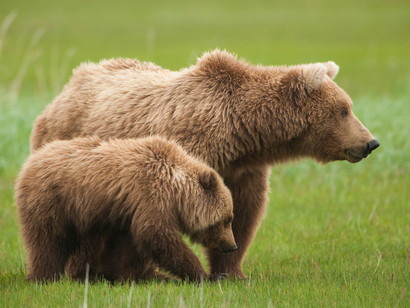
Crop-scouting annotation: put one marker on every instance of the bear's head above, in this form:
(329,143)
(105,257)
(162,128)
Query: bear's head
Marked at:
(331,130)
(207,218)
(287,112)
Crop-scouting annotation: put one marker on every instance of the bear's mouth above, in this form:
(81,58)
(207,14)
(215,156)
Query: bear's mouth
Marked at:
(352,157)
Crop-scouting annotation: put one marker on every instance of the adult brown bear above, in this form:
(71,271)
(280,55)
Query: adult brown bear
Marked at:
(237,117)
(86,197)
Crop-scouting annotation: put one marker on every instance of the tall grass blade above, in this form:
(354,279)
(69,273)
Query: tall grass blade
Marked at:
(5,25)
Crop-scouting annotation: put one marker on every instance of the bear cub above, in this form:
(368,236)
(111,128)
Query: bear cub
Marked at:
(85,197)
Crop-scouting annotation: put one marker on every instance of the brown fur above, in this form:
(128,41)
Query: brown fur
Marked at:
(119,205)
(238,118)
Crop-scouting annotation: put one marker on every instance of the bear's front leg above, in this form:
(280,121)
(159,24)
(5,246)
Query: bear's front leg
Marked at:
(249,192)
(171,254)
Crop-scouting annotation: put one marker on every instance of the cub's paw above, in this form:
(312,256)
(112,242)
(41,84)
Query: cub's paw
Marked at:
(217,277)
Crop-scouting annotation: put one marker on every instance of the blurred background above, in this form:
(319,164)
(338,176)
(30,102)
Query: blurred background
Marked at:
(41,41)
(353,220)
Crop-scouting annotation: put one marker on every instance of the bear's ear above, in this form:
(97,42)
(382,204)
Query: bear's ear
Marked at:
(313,76)
(302,80)
(332,69)
(208,180)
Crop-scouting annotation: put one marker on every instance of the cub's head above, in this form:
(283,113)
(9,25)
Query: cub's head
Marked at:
(207,218)
(332,132)
(218,237)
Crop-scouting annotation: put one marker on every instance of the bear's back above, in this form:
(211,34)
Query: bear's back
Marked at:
(116,71)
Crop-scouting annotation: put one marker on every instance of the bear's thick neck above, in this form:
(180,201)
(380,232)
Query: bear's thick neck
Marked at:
(232,124)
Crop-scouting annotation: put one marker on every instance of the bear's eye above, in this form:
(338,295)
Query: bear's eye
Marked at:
(345,113)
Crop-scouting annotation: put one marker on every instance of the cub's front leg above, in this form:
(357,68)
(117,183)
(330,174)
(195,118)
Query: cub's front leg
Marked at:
(171,254)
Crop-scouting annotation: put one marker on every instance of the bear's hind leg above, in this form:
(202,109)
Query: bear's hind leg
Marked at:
(94,248)
(119,260)
(47,258)
(86,253)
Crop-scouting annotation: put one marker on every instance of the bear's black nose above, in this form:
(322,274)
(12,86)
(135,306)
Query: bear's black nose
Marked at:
(372,145)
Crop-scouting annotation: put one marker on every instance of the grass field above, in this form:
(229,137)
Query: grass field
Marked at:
(334,235)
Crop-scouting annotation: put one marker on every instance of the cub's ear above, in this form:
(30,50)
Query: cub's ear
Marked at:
(208,180)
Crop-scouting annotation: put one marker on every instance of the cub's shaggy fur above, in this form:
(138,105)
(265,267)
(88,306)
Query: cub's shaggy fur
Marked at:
(237,117)
(93,198)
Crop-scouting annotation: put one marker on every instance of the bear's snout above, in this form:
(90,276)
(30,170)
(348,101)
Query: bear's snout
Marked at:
(356,154)
(372,145)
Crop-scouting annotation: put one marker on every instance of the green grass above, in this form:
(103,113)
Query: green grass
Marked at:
(334,235)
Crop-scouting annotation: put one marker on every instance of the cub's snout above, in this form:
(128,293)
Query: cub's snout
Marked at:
(227,248)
